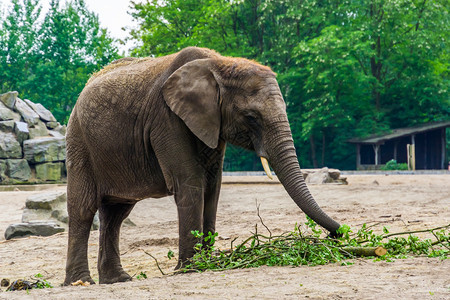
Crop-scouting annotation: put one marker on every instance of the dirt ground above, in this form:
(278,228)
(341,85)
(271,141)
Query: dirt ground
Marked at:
(402,202)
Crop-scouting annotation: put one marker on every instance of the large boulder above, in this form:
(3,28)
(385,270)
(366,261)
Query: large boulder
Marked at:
(38,130)
(18,170)
(35,228)
(43,113)
(49,171)
(45,149)
(323,176)
(51,207)
(27,113)
(6,114)
(9,146)
(9,99)
(3,176)
(21,131)
(46,207)
(31,139)
(7,126)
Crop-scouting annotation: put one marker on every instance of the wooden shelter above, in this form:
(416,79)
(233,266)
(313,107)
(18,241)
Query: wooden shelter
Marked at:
(422,147)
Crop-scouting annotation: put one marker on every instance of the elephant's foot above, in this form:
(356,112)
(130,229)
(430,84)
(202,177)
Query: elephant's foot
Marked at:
(113,277)
(71,278)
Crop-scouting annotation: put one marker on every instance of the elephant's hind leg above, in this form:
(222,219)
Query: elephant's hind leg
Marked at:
(111,217)
(81,206)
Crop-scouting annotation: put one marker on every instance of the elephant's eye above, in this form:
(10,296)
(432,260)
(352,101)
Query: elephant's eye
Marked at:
(251,119)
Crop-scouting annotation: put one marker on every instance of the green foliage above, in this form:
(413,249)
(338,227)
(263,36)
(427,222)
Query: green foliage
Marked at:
(49,58)
(346,68)
(141,276)
(42,283)
(306,247)
(393,165)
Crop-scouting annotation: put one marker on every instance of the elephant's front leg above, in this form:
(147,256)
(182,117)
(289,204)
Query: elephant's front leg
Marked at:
(189,200)
(212,165)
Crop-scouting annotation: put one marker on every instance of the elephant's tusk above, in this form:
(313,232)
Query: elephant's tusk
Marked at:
(265,164)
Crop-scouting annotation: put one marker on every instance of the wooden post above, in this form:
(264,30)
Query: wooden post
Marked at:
(425,151)
(443,164)
(376,149)
(358,156)
(395,151)
(410,149)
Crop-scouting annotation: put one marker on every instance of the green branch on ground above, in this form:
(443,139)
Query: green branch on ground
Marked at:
(307,247)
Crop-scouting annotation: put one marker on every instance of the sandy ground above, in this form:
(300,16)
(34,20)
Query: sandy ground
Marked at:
(402,202)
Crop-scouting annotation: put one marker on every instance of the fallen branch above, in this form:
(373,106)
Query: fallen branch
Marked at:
(365,251)
(157,264)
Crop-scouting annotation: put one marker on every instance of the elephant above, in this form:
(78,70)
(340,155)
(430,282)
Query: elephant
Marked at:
(153,127)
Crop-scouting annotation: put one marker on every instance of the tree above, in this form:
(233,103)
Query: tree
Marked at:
(50,61)
(346,68)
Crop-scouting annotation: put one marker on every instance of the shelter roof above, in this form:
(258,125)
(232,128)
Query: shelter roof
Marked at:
(401,132)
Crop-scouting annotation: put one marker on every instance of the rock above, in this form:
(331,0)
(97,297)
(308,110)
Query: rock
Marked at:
(49,171)
(55,133)
(43,113)
(45,149)
(42,207)
(49,200)
(52,207)
(35,228)
(334,174)
(52,125)
(9,146)
(21,131)
(7,126)
(2,170)
(320,177)
(9,99)
(26,112)
(61,129)
(6,114)
(38,130)
(61,215)
(18,169)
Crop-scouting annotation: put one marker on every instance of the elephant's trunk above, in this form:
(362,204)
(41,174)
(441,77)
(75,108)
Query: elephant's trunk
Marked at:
(283,159)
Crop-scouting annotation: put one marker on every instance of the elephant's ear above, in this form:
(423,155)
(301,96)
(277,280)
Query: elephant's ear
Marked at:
(192,93)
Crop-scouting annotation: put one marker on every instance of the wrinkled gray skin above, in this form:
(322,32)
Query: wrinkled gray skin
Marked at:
(158,127)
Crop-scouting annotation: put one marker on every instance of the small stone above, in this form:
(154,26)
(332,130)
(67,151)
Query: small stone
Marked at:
(21,131)
(52,125)
(5,282)
(9,99)
(35,228)
(43,113)
(61,129)
(18,169)
(9,146)
(26,112)
(128,223)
